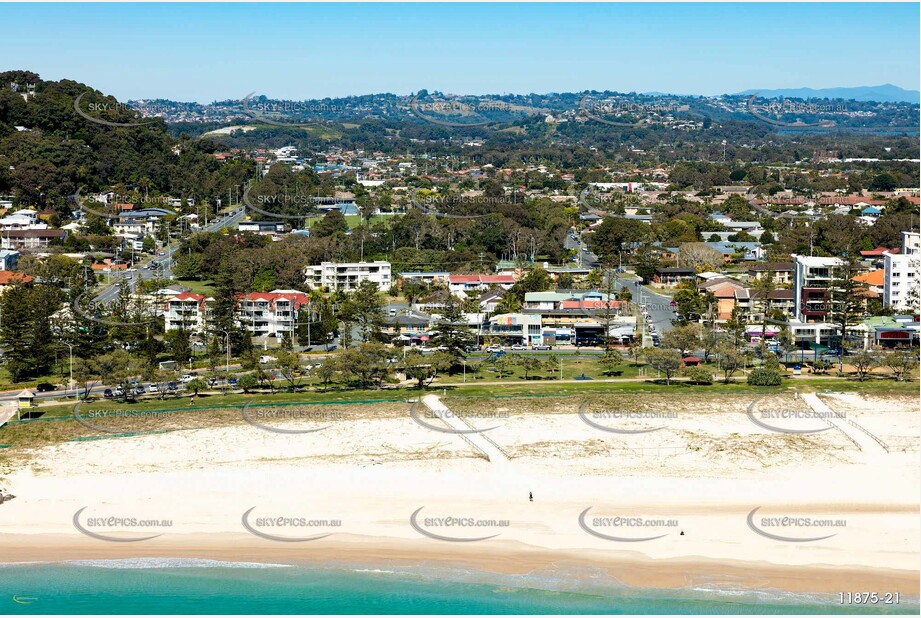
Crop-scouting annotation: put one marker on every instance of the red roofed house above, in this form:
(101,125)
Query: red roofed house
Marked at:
(470,283)
(875,281)
(9,278)
(877,253)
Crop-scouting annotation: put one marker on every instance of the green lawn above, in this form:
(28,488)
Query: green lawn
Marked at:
(205,288)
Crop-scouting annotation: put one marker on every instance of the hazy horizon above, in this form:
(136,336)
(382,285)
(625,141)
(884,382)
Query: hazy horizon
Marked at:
(208,52)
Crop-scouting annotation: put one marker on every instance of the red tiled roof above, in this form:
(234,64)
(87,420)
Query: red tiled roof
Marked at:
(188,296)
(298,298)
(464,278)
(8,277)
(878,252)
(874,277)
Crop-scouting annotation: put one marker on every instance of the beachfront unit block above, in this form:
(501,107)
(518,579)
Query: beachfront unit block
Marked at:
(346,276)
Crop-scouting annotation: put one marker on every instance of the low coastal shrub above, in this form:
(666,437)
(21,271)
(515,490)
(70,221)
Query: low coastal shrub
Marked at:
(764,377)
(698,375)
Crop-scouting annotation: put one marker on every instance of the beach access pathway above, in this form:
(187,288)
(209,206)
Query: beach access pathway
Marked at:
(478,440)
(6,413)
(860,436)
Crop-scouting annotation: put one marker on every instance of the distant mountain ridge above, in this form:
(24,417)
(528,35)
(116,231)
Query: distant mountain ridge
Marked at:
(886,93)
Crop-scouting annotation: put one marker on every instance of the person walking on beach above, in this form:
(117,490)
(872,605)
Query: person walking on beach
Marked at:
(531,496)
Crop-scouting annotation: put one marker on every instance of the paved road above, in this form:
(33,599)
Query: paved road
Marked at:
(661,312)
(160,265)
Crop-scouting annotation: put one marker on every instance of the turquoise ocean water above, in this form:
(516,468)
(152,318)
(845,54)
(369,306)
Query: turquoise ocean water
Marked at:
(184,586)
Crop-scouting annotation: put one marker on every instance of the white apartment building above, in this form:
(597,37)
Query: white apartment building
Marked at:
(186,311)
(901,282)
(911,243)
(271,314)
(263,314)
(347,275)
(811,278)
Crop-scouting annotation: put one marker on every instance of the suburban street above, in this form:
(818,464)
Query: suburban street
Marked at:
(159,266)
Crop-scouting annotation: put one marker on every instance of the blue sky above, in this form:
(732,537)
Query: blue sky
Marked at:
(205,52)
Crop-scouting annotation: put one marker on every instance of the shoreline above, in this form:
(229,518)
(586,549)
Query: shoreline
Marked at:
(505,558)
(708,501)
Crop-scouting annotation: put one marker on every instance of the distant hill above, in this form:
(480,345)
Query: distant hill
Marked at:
(887,93)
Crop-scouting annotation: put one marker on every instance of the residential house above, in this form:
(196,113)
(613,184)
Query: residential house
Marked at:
(874,281)
(479,283)
(30,239)
(426,278)
(780,272)
(409,325)
(724,289)
(8,259)
(489,300)
(672,276)
(142,222)
(10,278)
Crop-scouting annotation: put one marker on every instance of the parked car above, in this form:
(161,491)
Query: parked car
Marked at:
(119,392)
(186,378)
(212,382)
(542,346)
(139,389)
(232,382)
(519,346)
(107,393)
(173,386)
(44,387)
(494,348)
(265,359)
(153,388)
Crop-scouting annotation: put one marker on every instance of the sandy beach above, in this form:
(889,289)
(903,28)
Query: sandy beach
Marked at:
(380,485)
